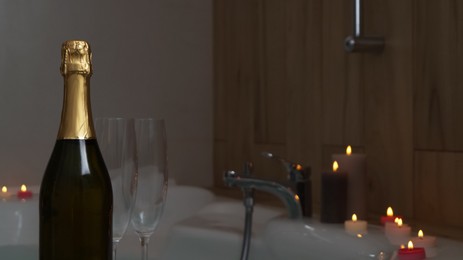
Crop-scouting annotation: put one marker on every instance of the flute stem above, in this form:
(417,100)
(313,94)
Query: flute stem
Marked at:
(144,240)
(114,249)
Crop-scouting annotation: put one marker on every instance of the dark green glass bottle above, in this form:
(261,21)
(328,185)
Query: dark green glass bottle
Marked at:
(75,194)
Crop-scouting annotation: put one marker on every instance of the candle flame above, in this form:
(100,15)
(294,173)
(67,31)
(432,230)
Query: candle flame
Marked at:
(396,220)
(402,246)
(420,234)
(335,166)
(354,217)
(4,189)
(389,212)
(298,167)
(349,150)
(399,222)
(296,197)
(23,188)
(410,245)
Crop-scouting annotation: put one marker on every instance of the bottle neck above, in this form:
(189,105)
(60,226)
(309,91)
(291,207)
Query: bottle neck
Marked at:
(76,116)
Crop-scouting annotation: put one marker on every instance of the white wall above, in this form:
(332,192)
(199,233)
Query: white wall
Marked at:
(151,58)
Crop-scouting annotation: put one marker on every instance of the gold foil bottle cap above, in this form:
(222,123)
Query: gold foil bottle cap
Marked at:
(76,57)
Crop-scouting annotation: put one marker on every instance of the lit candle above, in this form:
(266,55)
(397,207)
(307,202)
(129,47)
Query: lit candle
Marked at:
(355,226)
(333,196)
(389,216)
(389,225)
(5,194)
(24,193)
(398,233)
(354,165)
(411,252)
(427,242)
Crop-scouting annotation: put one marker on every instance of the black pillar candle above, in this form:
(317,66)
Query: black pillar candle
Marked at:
(333,197)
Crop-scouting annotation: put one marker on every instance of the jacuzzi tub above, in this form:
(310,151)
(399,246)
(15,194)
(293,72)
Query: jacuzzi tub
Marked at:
(19,225)
(198,225)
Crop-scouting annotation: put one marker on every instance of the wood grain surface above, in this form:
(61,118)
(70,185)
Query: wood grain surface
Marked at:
(284,84)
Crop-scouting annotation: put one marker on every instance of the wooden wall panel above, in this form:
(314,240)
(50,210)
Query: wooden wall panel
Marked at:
(221,161)
(296,64)
(342,89)
(284,84)
(250,85)
(221,70)
(235,80)
(312,113)
(389,107)
(296,86)
(303,87)
(438,185)
(271,95)
(439,82)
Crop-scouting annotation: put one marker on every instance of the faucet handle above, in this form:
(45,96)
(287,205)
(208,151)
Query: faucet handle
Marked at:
(296,173)
(228,176)
(286,164)
(248,169)
(299,173)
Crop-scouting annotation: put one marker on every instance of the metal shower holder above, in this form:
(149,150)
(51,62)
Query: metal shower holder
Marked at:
(359,42)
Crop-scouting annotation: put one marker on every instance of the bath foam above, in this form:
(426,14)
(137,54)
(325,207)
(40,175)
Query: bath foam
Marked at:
(20,224)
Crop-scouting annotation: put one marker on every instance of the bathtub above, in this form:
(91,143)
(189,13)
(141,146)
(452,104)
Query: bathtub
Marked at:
(19,225)
(198,225)
(215,231)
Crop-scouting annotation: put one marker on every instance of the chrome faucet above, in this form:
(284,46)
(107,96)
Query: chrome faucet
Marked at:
(300,182)
(295,171)
(248,184)
(291,201)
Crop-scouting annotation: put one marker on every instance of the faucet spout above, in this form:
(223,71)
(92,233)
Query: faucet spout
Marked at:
(299,181)
(296,173)
(291,201)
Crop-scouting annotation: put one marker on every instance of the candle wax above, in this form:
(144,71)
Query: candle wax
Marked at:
(5,195)
(354,166)
(355,227)
(397,235)
(416,253)
(24,194)
(333,197)
(387,219)
(425,241)
(428,243)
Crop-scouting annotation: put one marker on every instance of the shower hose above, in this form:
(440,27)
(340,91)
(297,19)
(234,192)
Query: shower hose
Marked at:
(248,202)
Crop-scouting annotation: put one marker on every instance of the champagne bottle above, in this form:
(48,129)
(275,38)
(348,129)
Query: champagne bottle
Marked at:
(75,195)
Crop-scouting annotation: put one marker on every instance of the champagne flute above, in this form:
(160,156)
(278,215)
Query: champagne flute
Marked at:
(116,138)
(152,186)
